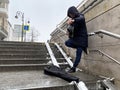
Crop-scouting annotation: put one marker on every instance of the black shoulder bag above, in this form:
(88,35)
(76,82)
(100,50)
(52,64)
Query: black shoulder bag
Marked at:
(70,30)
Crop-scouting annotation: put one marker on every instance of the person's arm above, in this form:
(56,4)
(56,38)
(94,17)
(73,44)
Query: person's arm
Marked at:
(79,19)
(67,33)
(70,21)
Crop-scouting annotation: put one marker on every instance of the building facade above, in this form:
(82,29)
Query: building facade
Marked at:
(10,32)
(3,19)
(17,32)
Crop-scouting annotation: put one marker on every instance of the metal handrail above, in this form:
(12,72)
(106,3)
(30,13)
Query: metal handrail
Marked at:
(64,55)
(108,56)
(117,36)
(54,61)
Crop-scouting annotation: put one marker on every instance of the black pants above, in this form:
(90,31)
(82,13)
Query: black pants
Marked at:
(69,43)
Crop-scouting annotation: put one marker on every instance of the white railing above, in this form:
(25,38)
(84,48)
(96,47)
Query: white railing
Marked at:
(117,36)
(64,55)
(54,61)
(108,56)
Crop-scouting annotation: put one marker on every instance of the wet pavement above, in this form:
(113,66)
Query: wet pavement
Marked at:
(28,79)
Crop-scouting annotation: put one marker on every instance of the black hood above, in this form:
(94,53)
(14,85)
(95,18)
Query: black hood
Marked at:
(73,10)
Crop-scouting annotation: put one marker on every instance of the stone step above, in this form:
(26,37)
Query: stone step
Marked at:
(23,61)
(23,49)
(89,79)
(23,67)
(32,80)
(92,85)
(26,47)
(42,55)
(23,52)
(29,45)
(28,60)
(63,87)
(22,43)
(17,67)
(23,56)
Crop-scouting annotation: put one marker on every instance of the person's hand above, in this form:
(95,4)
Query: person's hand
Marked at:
(67,33)
(70,21)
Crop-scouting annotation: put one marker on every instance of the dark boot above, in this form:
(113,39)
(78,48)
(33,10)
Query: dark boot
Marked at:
(72,70)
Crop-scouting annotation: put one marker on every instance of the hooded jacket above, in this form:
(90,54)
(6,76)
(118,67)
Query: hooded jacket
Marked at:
(80,38)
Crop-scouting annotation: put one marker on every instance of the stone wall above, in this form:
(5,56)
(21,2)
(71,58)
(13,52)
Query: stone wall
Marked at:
(102,15)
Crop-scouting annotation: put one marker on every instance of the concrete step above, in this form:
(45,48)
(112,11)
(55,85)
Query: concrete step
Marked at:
(32,80)
(22,49)
(92,85)
(22,43)
(29,45)
(63,87)
(17,55)
(28,60)
(23,52)
(19,67)
(26,47)
(89,79)
(32,61)
(26,67)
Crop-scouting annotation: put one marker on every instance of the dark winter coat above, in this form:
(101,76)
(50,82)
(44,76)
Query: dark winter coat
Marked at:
(80,37)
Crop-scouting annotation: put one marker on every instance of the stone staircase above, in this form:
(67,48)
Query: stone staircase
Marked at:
(22,64)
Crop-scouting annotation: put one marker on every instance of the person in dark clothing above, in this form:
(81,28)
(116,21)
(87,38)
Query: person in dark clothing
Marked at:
(78,37)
